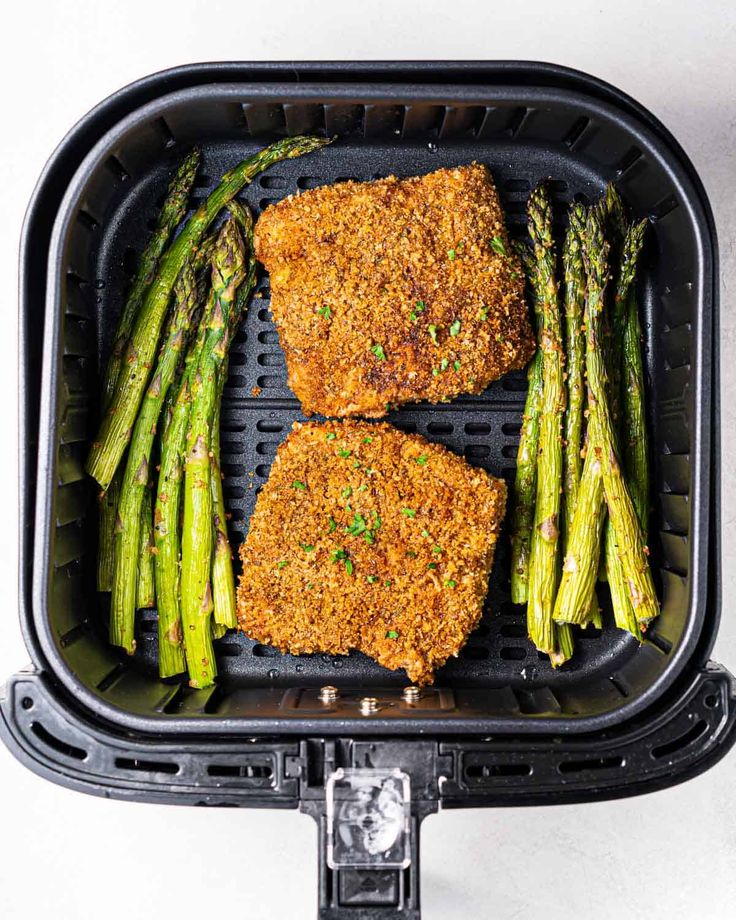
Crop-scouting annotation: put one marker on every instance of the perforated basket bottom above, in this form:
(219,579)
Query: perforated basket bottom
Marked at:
(483,429)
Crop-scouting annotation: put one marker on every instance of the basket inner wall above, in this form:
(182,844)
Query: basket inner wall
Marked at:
(499,672)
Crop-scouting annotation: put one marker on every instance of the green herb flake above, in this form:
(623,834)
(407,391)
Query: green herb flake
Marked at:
(435,372)
(330,436)
(432,330)
(392,634)
(497,246)
(367,440)
(332,525)
(344,453)
(325,312)
(411,554)
(298,484)
(347,492)
(376,521)
(388,583)
(455,328)
(419,307)
(432,565)
(349,566)
(499,337)
(483,314)
(450,583)
(408,512)
(437,549)
(307,547)
(456,366)
(282,564)
(514,276)
(378,351)
(371,579)
(338,555)
(363,488)
(369,538)
(356,464)
(451,255)
(444,364)
(358,526)
(425,533)
(309,586)
(422,459)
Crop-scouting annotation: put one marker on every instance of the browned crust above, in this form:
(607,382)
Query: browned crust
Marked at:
(436,560)
(369,252)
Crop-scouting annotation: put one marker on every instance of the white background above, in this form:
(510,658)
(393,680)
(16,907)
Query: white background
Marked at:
(62,854)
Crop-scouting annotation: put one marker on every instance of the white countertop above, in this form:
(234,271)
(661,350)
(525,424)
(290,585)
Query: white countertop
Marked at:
(73,857)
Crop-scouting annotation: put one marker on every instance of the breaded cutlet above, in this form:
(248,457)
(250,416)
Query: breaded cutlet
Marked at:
(368,538)
(394,291)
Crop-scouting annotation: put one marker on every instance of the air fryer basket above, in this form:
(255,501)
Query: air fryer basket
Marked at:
(524,134)
(500,726)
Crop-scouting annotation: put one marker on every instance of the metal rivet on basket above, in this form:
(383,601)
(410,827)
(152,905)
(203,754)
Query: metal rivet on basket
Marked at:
(328,694)
(368,705)
(412,694)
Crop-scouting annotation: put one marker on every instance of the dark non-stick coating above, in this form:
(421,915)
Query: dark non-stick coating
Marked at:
(524,135)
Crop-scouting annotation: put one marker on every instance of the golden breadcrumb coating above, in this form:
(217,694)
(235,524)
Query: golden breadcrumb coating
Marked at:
(396,290)
(367,538)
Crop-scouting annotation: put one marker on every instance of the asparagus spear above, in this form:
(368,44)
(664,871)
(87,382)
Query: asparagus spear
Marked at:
(171,213)
(624,615)
(145,597)
(136,475)
(574,273)
(223,582)
(634,433)
(115,430)
(197,542)
(631,549)
(525,481)
(545,534)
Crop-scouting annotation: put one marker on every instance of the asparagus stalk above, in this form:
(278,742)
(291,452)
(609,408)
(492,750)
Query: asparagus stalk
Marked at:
(137,468)
(631,549)
(574,274)
(545,534)
(116,428)
(145,588)
(634,437)
(171,213)
(197,544)
(223,581)
(525,481)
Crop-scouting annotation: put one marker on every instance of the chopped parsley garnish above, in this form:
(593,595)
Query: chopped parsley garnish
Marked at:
(499,337)
(376,521)
(444,364)
(392,634)
(450,583)
(282,564)
(309,586)
(347,492)
(298,484)
(344,453)
(358,525)
(455,328)
(349,566)
(408,512)
(330,436)
(371,579)
(339,555)
(435,372)
(422,459)
(514,276)
(367,440)
(456,366)
(356,465)
(483,314)
(497,245)
(388,583)
(378,351)
(432,330)
(425,533)
(368,537)
(332,527)
(307,547)
(325,312)
(432,565)
(419,307)
(437,549)
(451,254)
(363,488)
(411,554)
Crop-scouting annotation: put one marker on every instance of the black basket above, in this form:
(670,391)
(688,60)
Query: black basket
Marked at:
(617,720)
